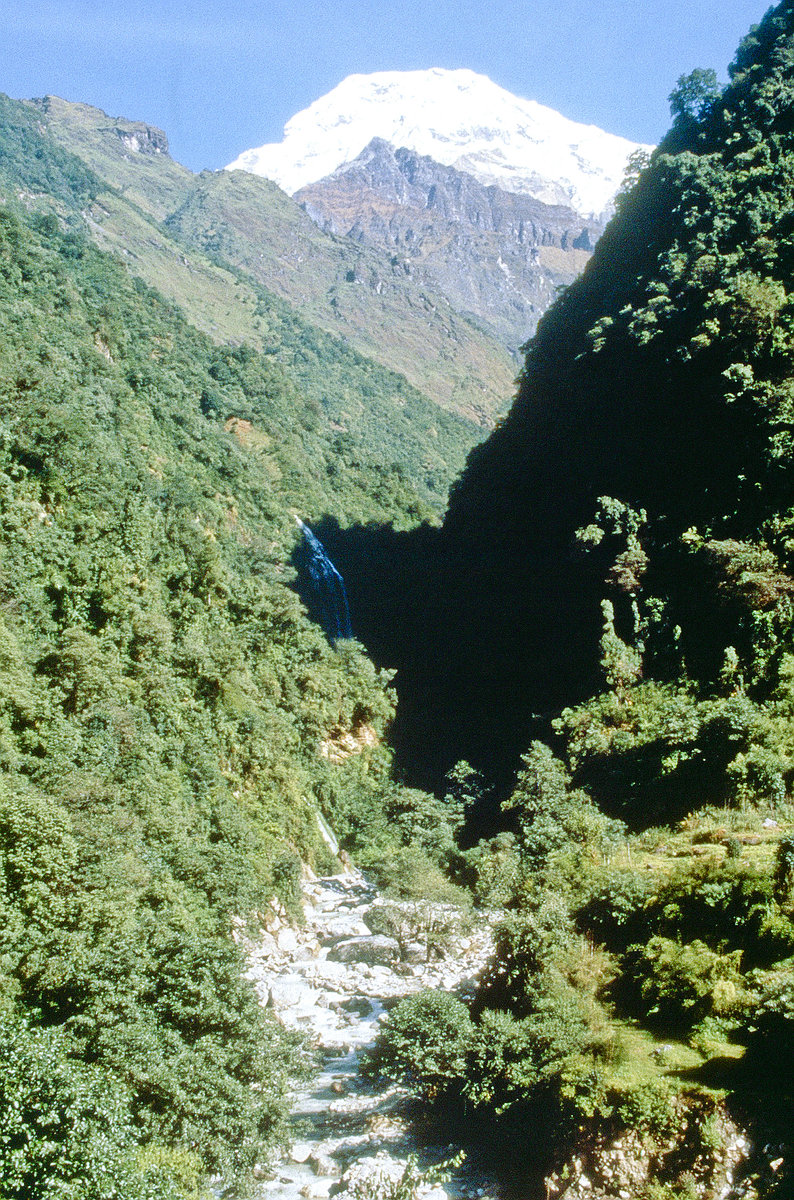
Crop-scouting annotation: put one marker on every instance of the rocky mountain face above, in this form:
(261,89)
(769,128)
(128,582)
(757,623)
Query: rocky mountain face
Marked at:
(350,289)
(493,201)
(499,257)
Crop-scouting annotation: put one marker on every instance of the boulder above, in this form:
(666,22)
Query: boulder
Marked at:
(287,940)
(373,1172)
(375,949)
(414,952)
(287,993)
(323,1164)
(340,928)
(316,1191)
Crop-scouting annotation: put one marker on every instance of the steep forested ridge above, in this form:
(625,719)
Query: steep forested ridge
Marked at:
(246,265)
(163,709)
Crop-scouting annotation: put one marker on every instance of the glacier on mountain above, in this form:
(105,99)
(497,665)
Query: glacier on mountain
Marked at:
(460,119)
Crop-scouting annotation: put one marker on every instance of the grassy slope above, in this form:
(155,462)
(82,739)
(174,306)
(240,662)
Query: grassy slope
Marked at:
(376,410)
(251,224)
(152,181)
(349,290)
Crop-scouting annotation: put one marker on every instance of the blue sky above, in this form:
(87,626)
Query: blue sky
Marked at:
(220,77)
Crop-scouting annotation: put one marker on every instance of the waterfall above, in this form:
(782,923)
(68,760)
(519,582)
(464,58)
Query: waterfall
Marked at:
(329,587)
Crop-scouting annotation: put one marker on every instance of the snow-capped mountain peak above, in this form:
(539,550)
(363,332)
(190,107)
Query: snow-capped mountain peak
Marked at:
(460,119)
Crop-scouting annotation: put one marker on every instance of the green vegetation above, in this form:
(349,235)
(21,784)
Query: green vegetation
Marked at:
(391,366)
(647,463)
(612,588)
(352,291)
(165,701)
(640,983)
(104,178)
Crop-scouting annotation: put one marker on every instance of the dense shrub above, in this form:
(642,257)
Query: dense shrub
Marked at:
(770,1036)
(648,1106)
(66,1128)
(680,984)
(424,1045)
(615,911)
(163,705)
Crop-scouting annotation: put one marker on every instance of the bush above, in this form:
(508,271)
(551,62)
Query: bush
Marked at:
(770,1041)
(648,1106)
(511,1059)
(66,1129)
(286,872)
(491,870)
(424,1045)
(527,945)
(409,874)
(436,927)
(783,881)
(506,1062)
(678,985)
(558,825)
(775,937)
(720,903)
(615,912)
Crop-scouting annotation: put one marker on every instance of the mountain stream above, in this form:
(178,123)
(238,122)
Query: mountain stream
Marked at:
(334,980)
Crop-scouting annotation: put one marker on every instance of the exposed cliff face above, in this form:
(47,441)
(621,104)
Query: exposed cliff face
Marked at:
(140,138)
(129,155)
(497,256)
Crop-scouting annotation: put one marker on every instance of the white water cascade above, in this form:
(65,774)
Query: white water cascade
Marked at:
(329,587)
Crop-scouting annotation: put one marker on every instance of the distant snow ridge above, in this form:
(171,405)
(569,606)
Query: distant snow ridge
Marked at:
(461,120)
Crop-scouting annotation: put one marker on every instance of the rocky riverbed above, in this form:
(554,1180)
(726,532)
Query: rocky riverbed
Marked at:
(333,980)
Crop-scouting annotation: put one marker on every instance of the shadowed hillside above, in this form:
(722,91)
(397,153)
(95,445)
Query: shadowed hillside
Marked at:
(647,461)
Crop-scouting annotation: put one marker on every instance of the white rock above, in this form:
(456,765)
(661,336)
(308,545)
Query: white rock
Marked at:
(287,993)
(287,940)
(373,949)
(317,1191)
(344,927)
(323,1164)
(329,1000)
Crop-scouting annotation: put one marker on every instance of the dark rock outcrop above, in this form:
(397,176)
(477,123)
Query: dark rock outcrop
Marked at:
(372,950)
(498,257)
